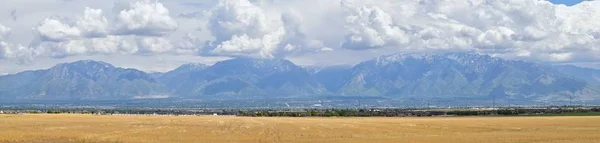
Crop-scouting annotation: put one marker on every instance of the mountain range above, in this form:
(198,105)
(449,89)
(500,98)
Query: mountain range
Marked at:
(81,80)
(397,76)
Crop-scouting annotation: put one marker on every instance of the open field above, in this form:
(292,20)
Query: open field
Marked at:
(91,128)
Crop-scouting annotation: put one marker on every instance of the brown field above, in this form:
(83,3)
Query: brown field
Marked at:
(91,128)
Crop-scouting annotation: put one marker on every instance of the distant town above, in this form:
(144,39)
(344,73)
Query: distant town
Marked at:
(314,111)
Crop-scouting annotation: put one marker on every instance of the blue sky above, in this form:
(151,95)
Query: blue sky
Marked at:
(567,2)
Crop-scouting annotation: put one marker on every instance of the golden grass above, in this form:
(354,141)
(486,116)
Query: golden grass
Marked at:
(91,128)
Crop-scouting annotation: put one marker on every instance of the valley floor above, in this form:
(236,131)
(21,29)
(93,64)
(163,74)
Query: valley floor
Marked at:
(94,128)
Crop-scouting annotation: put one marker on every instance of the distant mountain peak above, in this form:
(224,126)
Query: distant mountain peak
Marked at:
(89,63)
(195,64)
(85,79)
(461,57)
(190,66)
(272,64)
(469,55)
(319,68)
(262,61)
(398,57)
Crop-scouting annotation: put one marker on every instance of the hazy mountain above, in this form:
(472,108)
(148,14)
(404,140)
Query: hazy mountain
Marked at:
(397,76)
(252,77)
(174,77)
(155,75)
(312,70)
(333,78)
(454,75)
(586,74)
(85,80)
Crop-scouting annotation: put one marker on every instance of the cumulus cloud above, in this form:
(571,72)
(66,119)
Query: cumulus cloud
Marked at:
(17,52)
(296,40)
(238,17)
(138,28)
(87,34)
(152,45)
(4,47)
(515,29)
(12,51)
(244,45)
(93,23)
(371,27)
(55,29)
(242,28)
(111,44)
(189,45)
(520,29)
(105,45)
(4,31)
(145,18)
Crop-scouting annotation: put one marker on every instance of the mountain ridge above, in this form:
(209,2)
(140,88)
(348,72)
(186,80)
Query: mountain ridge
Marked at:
(80,80)
(394,76)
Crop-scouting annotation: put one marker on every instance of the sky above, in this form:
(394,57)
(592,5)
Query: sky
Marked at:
(567,2)
(159,35)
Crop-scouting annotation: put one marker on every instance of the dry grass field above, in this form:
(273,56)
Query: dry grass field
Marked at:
(91,128)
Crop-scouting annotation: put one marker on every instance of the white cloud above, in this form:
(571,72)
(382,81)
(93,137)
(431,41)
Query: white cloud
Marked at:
(4,31)
(53,29)
(515,29)
(91,24)
(106,45)
(145,18)
(244,29)
(190,44)
(296,39)
(244,45)
(137,29)
(16,52)
(112,44)
(152,45)
(13,51)
(531,29)
(238,17)
(371,27)
(89,34)
(4,50)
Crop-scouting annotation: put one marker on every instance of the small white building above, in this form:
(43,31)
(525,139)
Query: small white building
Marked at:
(1,112)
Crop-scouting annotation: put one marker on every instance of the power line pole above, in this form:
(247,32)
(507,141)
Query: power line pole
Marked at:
(570,101)
(493,101)
(494,104)
(509,102)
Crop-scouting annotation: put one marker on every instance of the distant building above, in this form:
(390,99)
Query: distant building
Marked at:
(1,112)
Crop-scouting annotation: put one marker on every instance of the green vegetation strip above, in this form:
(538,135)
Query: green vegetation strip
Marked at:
(568,114)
